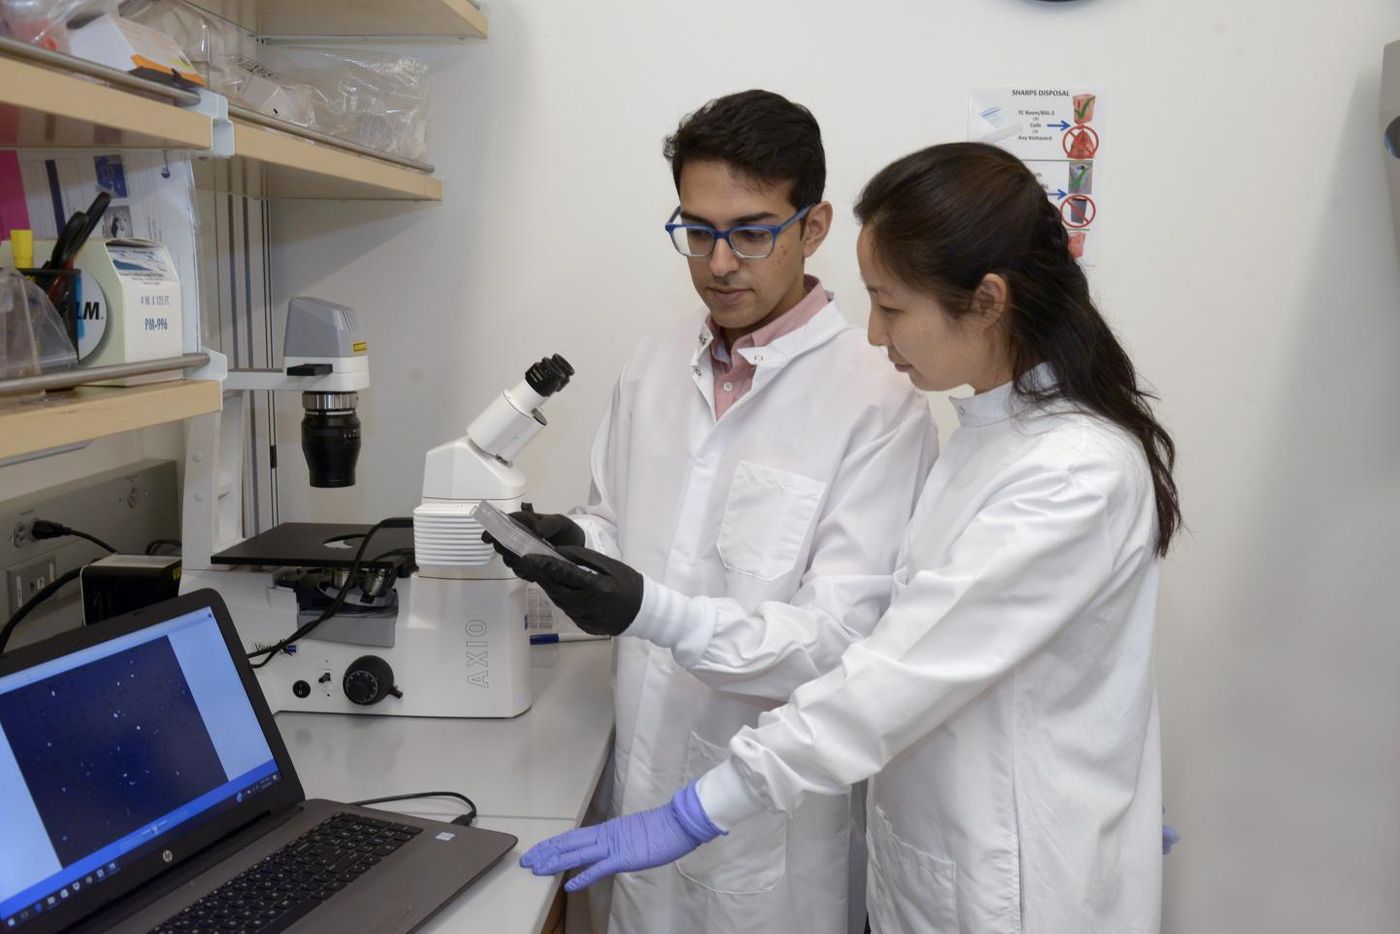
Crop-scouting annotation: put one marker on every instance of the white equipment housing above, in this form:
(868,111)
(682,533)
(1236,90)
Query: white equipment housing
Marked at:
(457,645)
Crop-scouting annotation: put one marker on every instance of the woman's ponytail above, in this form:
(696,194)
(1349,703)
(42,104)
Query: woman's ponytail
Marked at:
(944,218)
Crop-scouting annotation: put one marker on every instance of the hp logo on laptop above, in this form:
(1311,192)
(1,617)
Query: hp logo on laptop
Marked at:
(168,856)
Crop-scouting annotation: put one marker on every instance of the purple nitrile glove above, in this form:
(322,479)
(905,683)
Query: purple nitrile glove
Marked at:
(1170,838)
(627,843)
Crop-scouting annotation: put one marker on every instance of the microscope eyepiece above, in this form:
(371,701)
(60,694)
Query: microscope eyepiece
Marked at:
(549,375)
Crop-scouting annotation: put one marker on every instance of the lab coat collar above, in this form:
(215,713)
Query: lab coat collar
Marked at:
(824,325)
(1003,402)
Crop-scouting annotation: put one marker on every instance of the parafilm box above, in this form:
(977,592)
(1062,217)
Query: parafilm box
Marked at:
(134,314)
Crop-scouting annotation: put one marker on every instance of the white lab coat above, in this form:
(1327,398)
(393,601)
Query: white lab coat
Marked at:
(1006,700)
(791,507)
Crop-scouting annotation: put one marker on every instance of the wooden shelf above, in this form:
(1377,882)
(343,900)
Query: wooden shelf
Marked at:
(274,164)
(96,411)
(292,18)
(42,106)
(48,107)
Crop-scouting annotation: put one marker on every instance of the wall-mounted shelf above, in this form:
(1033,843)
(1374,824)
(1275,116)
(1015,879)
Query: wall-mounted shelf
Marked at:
(96,411)
(322,18)
(43,106)
(272,163)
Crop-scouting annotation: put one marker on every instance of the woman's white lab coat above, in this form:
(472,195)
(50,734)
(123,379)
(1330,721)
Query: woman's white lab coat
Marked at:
(790,507)
(1005,704)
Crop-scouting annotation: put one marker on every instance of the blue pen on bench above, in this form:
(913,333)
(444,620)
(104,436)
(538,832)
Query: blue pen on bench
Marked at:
(550,638)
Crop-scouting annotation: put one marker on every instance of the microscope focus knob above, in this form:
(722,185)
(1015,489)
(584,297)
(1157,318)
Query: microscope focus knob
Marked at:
(369,680)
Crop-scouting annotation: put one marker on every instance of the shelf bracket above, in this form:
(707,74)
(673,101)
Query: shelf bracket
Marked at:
(215,107)
(215,369)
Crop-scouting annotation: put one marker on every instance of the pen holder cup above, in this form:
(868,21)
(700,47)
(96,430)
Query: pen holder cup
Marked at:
(62,288)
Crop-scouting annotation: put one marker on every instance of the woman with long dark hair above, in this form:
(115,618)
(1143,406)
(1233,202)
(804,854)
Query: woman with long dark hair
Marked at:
(1004,708)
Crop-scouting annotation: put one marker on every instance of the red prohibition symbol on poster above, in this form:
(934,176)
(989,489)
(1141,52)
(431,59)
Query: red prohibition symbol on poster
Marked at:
(1080,142)
(1077,211)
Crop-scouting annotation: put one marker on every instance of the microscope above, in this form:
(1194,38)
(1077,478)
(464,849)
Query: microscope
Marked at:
(428,623)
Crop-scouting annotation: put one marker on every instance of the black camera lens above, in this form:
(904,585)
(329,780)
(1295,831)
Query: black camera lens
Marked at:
(330,437)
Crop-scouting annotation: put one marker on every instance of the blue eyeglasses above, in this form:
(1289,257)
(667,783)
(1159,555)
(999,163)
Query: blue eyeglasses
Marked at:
(748,241)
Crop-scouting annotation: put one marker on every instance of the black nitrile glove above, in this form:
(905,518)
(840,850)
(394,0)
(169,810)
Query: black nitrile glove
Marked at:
(602,603)
(551,526)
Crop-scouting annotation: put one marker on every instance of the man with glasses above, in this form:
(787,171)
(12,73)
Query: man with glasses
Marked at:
(751,483)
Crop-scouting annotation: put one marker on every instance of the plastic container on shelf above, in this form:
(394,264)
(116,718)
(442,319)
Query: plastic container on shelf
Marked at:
(33,339)
(45,22)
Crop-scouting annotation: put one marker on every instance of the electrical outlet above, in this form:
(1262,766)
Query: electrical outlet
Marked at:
(128,506)
(23,581)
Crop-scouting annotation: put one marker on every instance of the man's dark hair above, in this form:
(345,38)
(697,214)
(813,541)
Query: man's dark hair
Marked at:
(761,134)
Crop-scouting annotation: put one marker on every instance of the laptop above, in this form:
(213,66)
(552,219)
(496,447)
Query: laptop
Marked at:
(144,787)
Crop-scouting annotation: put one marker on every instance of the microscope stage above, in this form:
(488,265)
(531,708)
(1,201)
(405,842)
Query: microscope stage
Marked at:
(319,545)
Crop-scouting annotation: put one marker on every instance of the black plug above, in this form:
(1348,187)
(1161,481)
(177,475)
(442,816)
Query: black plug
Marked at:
(43,528)
(465,820)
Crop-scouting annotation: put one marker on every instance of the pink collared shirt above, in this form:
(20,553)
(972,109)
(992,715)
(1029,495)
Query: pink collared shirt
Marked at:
(733,373)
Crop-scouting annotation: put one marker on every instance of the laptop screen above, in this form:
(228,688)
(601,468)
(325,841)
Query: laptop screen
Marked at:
(111,751)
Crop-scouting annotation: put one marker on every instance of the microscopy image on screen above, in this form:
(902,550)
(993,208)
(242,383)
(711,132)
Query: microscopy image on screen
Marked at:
(108,747)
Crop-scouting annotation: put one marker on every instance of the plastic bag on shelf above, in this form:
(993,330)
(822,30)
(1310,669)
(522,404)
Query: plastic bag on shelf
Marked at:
(206,39)
(45,22)
(257,85)
(376,99)
(33,339)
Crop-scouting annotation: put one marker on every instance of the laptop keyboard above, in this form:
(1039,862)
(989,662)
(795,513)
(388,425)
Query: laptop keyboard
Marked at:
(277,892)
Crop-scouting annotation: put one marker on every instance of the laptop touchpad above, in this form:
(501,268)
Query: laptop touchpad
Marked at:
(386,917)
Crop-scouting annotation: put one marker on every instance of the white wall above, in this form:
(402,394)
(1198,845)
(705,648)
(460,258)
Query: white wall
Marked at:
(1248,263)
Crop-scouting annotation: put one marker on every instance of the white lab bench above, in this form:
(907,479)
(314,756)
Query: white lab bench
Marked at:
(531,776)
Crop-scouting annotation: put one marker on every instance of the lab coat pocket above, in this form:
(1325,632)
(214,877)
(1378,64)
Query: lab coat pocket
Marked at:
(751,858)
(907,889)
(766,520)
